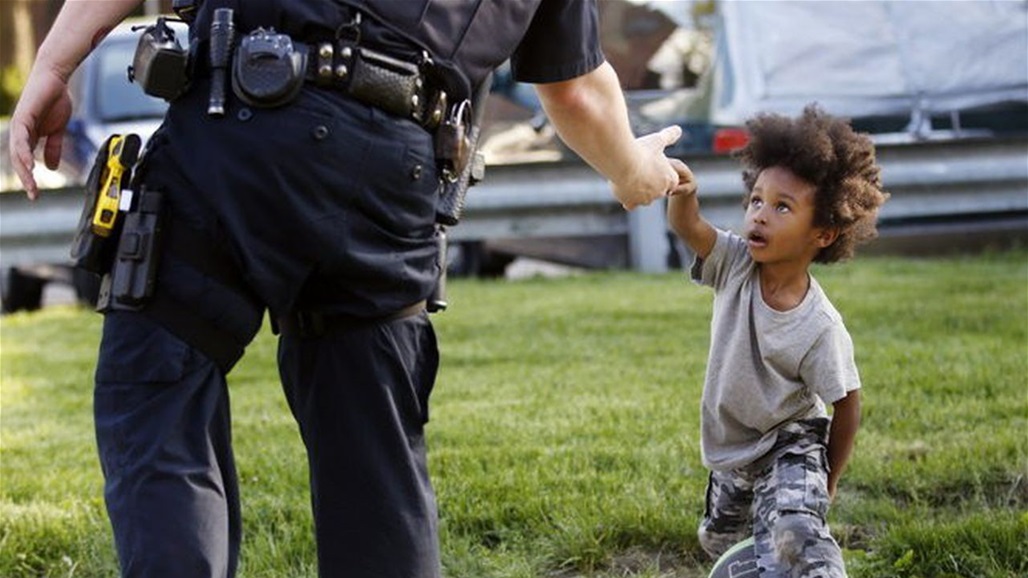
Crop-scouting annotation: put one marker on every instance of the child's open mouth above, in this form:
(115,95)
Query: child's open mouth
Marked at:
(756,240)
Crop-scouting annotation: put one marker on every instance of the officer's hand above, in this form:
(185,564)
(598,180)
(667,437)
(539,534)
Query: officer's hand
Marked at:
(654,176)
(42,113)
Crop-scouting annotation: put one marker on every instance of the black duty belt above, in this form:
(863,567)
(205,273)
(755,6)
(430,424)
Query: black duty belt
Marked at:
(267,69)
(395,85)
(311,324)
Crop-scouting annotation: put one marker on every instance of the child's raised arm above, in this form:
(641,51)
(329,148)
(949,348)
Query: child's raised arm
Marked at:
(683,216)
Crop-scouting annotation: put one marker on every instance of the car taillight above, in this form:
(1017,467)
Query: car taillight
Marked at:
(727,140)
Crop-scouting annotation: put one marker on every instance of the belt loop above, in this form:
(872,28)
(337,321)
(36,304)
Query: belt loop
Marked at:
(310,324)
(325,63)
(316,324)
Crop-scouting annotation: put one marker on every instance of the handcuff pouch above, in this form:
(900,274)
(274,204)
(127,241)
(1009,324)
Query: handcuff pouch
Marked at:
(268,70)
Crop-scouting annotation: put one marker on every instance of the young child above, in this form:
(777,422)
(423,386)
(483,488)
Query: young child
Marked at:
(779,350)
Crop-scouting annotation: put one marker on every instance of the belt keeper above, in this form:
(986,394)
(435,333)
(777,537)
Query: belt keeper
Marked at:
(326,55)
(332,64)
(342,69)
(437,110)
(415,100)
(339,64)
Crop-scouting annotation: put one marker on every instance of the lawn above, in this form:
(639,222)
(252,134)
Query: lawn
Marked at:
(564,432)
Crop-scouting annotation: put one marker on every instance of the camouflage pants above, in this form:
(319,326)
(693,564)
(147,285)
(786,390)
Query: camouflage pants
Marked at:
(782,500)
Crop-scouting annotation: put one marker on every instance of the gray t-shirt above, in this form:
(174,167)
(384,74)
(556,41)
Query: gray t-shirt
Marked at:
(766,368)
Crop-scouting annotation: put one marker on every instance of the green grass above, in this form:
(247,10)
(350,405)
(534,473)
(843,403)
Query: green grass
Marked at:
(563,440)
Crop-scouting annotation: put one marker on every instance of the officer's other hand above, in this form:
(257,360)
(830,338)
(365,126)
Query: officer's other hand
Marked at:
(654,176)
(42,112)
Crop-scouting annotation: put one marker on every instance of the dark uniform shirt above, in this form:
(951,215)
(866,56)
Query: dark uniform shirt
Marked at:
(546,40)
(329,204)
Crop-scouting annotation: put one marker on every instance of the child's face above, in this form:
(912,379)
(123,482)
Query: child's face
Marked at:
(780,219)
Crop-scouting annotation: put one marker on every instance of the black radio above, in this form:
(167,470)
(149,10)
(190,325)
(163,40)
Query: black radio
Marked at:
(160,65)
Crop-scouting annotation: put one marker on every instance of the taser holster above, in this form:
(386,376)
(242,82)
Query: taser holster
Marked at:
(119,231)
(100,221)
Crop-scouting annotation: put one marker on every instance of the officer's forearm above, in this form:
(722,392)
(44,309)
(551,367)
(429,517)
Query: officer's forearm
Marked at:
(78,28)
(590,115)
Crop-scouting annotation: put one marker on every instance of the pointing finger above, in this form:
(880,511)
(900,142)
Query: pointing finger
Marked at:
(670,135)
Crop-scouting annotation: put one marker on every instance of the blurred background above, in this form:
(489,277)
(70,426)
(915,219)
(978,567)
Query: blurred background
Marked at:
(942,88)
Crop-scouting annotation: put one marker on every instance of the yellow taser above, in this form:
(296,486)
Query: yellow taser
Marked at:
(122,153)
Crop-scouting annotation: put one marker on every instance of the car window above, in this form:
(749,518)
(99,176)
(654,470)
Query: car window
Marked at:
(118,99)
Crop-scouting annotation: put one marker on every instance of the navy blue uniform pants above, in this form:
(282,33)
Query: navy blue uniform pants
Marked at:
(325,205)
(360,397)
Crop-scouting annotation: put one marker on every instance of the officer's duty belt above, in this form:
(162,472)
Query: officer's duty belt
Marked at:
(392,84)
(407,86)
(311,324)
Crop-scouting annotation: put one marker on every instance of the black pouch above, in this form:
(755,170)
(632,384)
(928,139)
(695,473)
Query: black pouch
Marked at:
(386,82)
(464,165)
(452,192)
(268,71)
(132,278)
(160,65)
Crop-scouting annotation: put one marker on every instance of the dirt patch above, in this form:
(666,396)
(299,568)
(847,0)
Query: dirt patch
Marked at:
(642,562)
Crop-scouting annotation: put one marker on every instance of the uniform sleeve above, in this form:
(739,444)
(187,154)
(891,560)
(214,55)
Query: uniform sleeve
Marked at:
(829,368)
(562,42)
(726,257)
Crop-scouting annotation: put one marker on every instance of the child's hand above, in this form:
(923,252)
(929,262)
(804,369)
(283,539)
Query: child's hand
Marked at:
(686,181)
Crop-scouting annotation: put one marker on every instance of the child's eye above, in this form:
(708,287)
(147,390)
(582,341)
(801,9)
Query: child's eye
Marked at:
(756,202)
(783,208)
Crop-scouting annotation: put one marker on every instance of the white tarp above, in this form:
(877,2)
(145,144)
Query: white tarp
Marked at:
(869,57)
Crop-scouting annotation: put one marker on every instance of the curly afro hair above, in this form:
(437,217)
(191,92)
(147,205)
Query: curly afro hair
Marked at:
(825,151)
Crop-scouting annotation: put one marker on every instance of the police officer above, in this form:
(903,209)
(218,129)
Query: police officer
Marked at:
(317,205)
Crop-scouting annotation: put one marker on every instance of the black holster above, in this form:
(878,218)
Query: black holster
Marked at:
(453,186)
(132,277)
